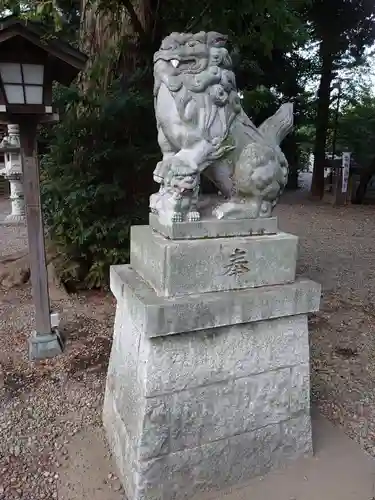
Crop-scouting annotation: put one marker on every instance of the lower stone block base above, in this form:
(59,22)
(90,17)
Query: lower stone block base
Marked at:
(212,466)
(202,410)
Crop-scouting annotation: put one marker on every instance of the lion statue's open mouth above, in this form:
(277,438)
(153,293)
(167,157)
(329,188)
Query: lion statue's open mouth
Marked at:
(184,65)
(187,65)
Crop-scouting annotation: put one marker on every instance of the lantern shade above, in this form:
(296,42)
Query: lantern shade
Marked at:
(33,94)
(14,94)
(10,72)
(33,74)
(23,83)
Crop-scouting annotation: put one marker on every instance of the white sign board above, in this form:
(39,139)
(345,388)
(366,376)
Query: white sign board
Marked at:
(345,171)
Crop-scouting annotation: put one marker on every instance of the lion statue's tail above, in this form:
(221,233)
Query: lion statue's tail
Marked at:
(278,126)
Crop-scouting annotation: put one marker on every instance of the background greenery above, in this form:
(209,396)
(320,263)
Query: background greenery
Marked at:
(97,162)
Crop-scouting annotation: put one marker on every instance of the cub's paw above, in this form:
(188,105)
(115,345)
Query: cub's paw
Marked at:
(193,216)
(177,217)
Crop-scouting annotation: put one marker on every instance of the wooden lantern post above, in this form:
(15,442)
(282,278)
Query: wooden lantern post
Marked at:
(35,229)
(29,64)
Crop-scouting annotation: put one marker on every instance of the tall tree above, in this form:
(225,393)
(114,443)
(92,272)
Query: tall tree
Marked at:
(343,28)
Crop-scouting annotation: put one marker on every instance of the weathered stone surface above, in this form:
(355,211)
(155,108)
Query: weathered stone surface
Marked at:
(214,412)
(220,464)
(297,438)
(300,391)
(175,268)
(212,466)
(155,316)
(214,228)
(194,417)
(120,445)
(124,377)
(155,429)
(196,359)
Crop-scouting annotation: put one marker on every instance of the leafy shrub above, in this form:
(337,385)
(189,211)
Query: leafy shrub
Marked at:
(96,178)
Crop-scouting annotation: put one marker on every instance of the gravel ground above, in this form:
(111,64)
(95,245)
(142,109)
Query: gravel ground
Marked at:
(336,249)
(44,406)
(51,442)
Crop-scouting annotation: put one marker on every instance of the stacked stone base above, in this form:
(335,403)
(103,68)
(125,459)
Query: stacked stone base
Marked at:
(210,389)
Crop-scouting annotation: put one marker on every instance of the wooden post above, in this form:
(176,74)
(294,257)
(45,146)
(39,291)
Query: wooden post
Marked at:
(340,197)
(44,342)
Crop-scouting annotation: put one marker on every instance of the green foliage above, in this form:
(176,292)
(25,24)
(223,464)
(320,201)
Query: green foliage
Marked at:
(356,131)
(346,26)
(58,17)
(259,103)
(96,178)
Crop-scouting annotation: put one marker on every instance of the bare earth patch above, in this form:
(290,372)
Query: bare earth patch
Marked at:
(51,441)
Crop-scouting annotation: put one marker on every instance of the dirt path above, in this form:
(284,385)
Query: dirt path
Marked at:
(51,441)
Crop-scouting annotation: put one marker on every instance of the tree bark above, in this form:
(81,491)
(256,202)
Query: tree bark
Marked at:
(102,33)
(322,119)
(365,178)
(290,149)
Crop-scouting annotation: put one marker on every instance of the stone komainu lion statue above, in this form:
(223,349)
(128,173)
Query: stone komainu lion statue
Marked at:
(202,129)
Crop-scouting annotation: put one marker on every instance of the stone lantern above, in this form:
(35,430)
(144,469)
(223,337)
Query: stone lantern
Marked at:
(13,172)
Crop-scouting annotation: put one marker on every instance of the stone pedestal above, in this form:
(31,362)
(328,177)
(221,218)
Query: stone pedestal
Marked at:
(13,172)
(208,380)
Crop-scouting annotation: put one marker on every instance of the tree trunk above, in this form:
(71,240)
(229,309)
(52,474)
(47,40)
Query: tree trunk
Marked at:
(137,22)
(290,149)
(322,119)
(365,178)
(292,183)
